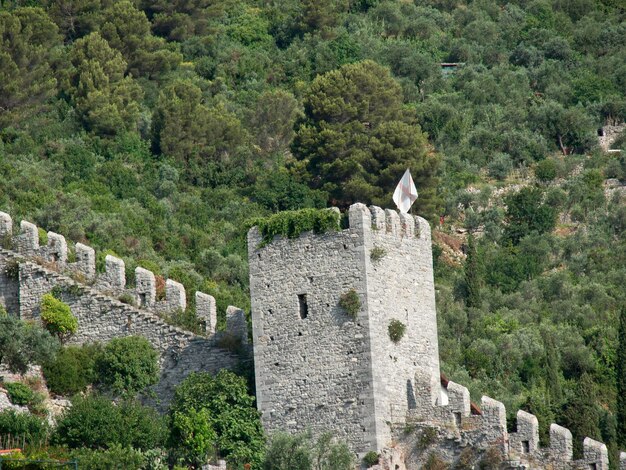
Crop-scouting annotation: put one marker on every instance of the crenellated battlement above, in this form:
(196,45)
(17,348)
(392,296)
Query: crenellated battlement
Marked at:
(112,282)
(486,428)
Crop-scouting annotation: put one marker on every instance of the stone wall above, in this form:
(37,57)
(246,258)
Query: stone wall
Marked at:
(32,271)
(324,370)
(461,432)
(609,134)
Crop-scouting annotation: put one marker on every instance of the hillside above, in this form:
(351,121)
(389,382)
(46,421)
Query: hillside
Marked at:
(155,131)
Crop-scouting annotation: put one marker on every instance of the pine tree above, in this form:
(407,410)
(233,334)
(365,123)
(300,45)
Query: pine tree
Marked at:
(621,380)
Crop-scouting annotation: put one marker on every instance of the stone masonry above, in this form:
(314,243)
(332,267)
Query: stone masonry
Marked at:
(318,368)
(31,271)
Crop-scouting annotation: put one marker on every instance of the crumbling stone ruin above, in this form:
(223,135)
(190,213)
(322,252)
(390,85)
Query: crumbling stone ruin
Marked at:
(28,271)
(319,368)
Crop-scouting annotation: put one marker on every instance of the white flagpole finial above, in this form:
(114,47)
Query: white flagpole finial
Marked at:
(406,193)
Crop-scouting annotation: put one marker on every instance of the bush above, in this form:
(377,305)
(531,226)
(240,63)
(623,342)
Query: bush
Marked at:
(545,170)
(128,365)
(351,303)
(32,428)
(500,166)
(23,343)
(19,394)
(286,452)
(371,458)
(72,371)
(291,224)
(57,317)
(396,330)
(377,254)
(113,458)
(220,410)
(98,423)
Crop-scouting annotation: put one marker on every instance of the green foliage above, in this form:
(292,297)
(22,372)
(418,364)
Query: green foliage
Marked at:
(291,224)
(23,343)
(19,393)
(377,254)
(96,422)
(473,275)
(545,170)
(127,365)
(57,317)
(33,428)
(396,330)
(287,451)
(72,370)
(114,457)
(371,458)
(215,413)
(526,213)
(351,303)
(435,462)
(357,142)
(621,379)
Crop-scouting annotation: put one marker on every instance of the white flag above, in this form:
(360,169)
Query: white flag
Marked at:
(406,193)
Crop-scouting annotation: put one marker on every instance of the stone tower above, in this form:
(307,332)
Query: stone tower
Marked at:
(317,367)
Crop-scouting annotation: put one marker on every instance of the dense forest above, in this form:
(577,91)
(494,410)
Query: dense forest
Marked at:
(156,130)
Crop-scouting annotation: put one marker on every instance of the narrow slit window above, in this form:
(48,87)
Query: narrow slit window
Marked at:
(303,306)
(526,447)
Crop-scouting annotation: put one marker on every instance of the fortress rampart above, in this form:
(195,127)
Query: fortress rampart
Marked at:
(28,271)
(318,368)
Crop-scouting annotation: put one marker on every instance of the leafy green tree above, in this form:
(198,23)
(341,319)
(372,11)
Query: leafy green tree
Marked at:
(75,18)
(72,370)
(106,100)
(526,213)
(24,343)
(473,275)
(581,414)
(205,406)
(98,423)
(286,452)
(128,30)
(357,140)
(128,365)
(571,129)
(621,380)
(204,139)
(57,317)
(28,41)
(34,429)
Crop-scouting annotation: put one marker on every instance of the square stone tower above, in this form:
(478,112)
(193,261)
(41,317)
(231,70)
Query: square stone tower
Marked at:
(317,367)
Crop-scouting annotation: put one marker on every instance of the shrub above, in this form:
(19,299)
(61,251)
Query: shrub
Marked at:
(32,428)
(371,458)
(377,254)
(435,462)
(114,457)
(545,170)
(12,270)
(127,299)
(500,166)
(351,303)
(128,365)
(23,343)
(57,317)
(19,394)
(396,330)
(287,451)
(204,404)
(291,224)
(98,423)
(72,370)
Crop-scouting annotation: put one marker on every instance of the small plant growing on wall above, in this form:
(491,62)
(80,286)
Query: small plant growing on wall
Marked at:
(396,330)
(370,459)
(377,254)
(57,317)
(351,303)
